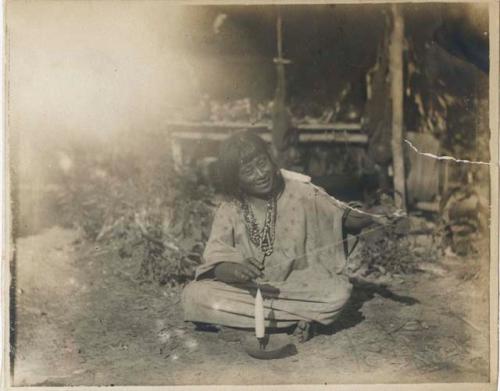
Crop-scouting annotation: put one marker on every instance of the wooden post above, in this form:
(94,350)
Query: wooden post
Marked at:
(446,175)
(396,74)
(279,36)
(280,120)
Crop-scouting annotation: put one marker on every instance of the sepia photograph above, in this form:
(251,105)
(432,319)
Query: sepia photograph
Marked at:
(235,194)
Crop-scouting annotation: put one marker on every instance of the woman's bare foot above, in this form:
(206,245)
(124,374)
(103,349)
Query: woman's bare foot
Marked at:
(303,331)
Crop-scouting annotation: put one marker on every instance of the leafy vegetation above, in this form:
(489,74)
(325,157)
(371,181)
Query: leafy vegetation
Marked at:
(137,204)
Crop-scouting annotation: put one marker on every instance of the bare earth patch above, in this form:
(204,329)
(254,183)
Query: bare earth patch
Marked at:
(84,319)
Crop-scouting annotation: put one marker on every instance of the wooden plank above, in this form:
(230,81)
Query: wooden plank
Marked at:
(334,126)
(333,137)
(305,138)
(208,136)
(218,125)
(396,73)
(196,126)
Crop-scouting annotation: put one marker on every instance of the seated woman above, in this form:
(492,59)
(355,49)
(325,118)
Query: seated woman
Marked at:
(275,230)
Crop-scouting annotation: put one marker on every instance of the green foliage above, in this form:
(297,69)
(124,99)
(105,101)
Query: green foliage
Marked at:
(388,251)
(138,204)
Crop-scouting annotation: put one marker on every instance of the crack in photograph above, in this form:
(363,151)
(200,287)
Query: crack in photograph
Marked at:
(250,194)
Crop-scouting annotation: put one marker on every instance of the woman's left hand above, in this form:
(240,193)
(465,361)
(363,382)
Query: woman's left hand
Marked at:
(383,220)
(382,216)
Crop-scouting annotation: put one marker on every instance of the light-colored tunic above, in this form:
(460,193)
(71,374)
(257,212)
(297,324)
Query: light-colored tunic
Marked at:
(306,264)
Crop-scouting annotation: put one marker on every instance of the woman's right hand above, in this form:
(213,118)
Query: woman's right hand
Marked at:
(230,272)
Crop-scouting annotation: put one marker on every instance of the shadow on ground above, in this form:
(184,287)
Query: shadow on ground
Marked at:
(363,291)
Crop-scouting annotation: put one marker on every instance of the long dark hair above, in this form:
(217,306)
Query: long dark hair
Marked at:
(238,149)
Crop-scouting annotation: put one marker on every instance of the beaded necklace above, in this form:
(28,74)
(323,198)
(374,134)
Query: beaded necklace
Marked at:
(261,238)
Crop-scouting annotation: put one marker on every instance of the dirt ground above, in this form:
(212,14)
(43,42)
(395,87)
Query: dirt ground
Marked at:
(83,319)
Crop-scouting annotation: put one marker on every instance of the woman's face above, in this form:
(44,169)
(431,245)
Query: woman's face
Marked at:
(257,176)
